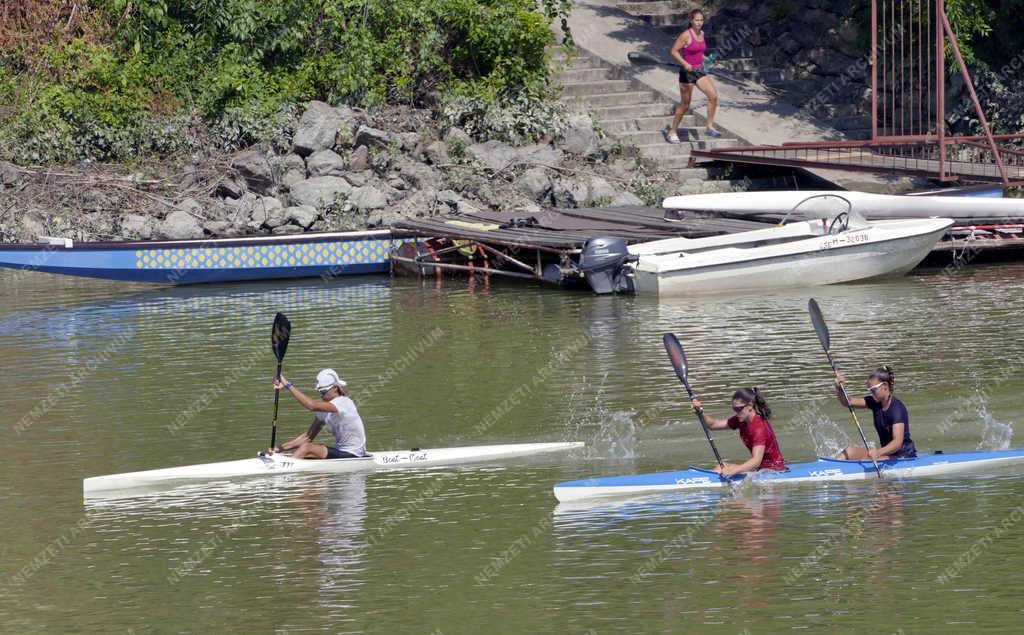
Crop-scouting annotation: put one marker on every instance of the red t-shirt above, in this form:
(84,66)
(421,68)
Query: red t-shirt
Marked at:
(759,432)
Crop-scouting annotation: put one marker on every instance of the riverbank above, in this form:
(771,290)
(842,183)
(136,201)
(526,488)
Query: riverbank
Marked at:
(342,169)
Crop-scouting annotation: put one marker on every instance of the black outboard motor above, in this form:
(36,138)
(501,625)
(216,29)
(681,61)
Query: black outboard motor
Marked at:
(602,265)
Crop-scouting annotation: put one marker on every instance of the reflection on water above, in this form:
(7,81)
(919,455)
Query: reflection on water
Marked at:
(486,548)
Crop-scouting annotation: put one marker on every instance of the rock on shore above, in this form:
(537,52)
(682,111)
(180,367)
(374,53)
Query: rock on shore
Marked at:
(345,169)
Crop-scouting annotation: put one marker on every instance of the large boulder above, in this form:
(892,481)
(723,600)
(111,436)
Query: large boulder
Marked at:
(359,160)
(368,136)
(367,198)
(254,167)
(494,154)
(265,210)
(539,154)
(627,199)
(294,170)
(179,224)
(302,215)
(600,191)
(320,126)
(10,174)
(579,137)
(137,226)
(320,192)
(325,163)
(419,174)
(230,187)
(382,218)
(535,182)
(570,192)
(437,153)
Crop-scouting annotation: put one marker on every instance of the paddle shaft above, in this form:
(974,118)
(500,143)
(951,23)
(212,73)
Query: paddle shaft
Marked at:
(846,398)
(277,402)
(704,424)
(677,357)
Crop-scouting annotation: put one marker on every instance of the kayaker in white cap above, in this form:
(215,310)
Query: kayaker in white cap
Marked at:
(335,410)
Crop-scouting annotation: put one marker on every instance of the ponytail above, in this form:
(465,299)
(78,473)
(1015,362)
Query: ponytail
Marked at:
(755,397)
(886,375)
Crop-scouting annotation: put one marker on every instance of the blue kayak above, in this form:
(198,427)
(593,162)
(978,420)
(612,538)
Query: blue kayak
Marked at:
(822,470)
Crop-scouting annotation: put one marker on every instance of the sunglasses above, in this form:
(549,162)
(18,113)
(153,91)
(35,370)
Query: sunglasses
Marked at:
(873,389)
(739,409)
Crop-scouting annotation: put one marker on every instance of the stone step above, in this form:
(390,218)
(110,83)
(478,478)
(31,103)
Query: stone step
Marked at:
(660,151)
(615,99)
(684,174)
(721,142)
(676,164)
(653,109)
(636,124)
(603,87)
(577,75)
(692,135)
(576,62)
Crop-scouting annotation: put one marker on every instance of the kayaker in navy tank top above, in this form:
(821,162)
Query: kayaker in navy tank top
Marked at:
(892,421)
(751,419)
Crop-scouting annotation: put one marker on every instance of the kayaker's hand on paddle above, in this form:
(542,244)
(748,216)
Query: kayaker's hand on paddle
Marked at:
(280,382)
(696,405)
(727,469)
(840,378)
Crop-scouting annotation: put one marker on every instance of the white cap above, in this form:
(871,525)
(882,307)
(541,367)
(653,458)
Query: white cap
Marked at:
(327,378)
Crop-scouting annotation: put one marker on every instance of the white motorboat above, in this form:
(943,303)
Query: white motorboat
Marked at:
(836,245)
(264,465)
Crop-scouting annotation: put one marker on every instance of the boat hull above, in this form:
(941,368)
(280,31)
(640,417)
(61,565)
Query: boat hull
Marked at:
(888,248)
(206,261)
(871,206)
(821,471)
(283,464)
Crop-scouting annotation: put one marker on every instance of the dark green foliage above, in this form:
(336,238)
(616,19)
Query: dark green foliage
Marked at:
(165,76)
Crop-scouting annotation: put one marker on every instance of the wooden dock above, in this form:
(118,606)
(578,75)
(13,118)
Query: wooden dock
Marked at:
(525,245)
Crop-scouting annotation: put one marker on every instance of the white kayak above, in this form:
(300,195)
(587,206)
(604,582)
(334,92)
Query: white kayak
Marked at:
(283,464)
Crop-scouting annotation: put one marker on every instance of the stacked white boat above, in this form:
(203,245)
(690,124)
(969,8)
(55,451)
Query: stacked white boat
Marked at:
(828,241)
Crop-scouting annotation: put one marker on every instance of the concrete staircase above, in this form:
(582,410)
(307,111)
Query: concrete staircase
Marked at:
(672,16)
(628,111)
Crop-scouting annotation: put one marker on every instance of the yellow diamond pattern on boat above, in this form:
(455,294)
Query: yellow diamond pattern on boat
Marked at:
(352,252)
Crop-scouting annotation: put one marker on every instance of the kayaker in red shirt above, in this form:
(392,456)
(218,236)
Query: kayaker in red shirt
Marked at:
(751,419)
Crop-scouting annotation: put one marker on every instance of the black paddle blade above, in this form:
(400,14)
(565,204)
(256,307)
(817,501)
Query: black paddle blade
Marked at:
(279,335)
(676,355)
(819,323)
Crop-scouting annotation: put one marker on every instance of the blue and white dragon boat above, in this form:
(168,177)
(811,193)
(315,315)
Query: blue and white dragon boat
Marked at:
(214,260)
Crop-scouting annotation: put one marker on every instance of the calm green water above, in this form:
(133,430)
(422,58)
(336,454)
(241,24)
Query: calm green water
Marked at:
(101,378)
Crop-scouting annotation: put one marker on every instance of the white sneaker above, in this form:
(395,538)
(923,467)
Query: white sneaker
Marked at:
(672,137)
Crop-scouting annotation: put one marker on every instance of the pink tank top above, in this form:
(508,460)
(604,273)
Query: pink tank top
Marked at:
(694,51)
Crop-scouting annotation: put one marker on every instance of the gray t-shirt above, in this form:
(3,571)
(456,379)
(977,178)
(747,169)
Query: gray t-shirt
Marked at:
(346,426)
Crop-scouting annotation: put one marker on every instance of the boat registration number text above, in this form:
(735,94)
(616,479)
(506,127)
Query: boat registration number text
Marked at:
(842,241)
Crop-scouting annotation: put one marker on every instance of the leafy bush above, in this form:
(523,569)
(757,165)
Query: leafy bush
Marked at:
(513,115)
(129,77)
